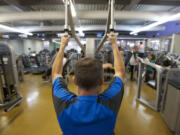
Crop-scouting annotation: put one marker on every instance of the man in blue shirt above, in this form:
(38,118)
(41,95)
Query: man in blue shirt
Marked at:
(88,113)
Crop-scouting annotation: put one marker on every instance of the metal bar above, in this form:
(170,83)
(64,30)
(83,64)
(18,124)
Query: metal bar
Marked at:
(158,85)
(107,29)
(139,81)
(143,101)
(66,15)
(112,15)
(73,30)
(15,103)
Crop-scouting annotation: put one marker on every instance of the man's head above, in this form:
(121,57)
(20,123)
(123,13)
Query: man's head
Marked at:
(88,73)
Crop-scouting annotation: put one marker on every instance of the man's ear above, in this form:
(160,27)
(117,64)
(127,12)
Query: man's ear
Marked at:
(101,82)
(74,80)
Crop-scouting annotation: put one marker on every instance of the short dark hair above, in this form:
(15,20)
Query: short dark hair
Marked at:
(88,73)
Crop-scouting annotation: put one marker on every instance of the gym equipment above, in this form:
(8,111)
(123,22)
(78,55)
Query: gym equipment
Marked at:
(170,109)
(106,56)
(105,52)
(67,68)
(109,25)
(69,19)
(160,71)
(42,60)
(9,87)
(47,73)
(74,57)
(35,63)
(26,64)
(109,28)
(20,68)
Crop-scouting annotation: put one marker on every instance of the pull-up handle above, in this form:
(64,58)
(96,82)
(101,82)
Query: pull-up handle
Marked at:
(112,16)
(66,26)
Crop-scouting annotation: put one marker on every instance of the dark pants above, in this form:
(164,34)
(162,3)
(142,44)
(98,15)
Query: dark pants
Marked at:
(141,55)
(132,69)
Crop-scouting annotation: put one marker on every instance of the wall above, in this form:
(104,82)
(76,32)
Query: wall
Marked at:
(35,45)
(175,47)
(21,45)
(16,44)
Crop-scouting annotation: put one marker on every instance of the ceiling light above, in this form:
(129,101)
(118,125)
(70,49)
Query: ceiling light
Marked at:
(23,35)
(5,36)
(164,20)
(15,30)
(73,11)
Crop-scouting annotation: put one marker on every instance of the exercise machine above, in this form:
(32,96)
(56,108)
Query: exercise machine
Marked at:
(160,71)
(9,87)
(69,23)
(20,69)
(40,61)
(170,108)
(109,29)
(26,64)
(164,65)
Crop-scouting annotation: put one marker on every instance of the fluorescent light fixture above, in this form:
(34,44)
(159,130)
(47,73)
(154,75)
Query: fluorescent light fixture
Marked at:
(73,11)
(23,35)
(5,36)
(164,20)
(15,30)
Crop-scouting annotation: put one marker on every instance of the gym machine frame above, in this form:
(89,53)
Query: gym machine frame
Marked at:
(166,86)
(160,70)
(109,25)
(109,29)
(69,22)
(9,83)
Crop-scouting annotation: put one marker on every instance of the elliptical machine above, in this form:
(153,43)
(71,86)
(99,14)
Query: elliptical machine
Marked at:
(9,86)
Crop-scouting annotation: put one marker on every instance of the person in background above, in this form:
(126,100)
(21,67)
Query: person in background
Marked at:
(141,50)
(133,62)
(149,70)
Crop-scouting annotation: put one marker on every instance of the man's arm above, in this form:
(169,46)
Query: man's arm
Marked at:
(118,60)
(57,67)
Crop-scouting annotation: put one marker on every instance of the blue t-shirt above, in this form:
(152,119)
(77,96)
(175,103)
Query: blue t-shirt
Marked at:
(87,115)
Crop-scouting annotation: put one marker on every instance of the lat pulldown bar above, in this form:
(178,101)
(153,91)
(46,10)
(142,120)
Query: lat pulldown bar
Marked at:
(69,21)
(109,25)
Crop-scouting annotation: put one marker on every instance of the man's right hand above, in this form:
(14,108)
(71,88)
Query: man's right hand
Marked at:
(64,40)
(112,38)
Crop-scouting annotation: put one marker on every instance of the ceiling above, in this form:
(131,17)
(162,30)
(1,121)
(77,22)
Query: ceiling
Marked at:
(125,26)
